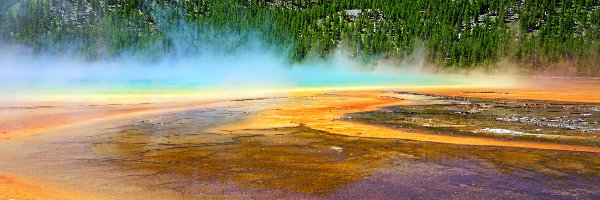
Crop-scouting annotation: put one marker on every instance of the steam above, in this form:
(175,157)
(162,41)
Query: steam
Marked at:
(194,66)
(23,71)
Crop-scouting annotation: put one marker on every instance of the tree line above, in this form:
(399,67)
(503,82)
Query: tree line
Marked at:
(456,34)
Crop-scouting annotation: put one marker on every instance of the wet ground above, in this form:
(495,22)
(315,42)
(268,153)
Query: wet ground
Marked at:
(509,119)
(299,162)
(174,154)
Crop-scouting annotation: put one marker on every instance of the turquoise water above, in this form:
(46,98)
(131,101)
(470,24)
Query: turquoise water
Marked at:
(24,71)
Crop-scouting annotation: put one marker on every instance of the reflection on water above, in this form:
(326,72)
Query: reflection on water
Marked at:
(175,153)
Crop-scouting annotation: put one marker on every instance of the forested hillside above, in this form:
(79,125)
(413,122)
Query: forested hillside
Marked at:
(537,35)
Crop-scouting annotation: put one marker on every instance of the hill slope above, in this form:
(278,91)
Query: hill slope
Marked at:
(538,35)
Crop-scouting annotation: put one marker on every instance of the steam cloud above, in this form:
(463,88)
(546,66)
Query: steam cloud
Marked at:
(252,66)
